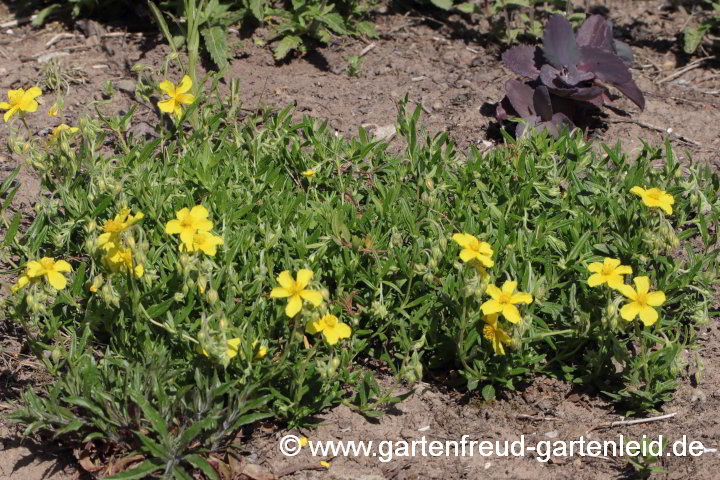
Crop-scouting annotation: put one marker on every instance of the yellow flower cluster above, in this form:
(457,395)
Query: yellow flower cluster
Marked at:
(117,255)
(194,229)
(641,300)
(502,300)
(296,291)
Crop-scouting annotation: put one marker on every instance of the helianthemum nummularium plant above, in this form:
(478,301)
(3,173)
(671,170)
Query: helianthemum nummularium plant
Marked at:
(296,290)
(188,223)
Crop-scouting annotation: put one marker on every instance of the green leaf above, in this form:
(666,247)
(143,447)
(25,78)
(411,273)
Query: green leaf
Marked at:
(286,45)
(216,44)
(366,28)
(257,8)
(10,235)
(693,36)
(444,4)
(466,7)
(488,393)
(160,20)
(141,471)
(43,14)
(153,447)
(201,464)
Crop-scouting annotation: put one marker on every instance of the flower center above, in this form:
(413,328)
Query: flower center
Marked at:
(489,332)
(113,226)
(607,270)
(641,299)
(654,194)
(330,321)
(186,222)
(47,264)
(505,298)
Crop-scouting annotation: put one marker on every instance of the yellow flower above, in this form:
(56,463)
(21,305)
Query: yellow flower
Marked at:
(655,197)
(49,268)
(642,301)
(233,346)
(21,282)
(610,272)
(121,259)
(205,241)
(20,100)
(331,328)
(496,335)
(261,350)
(53,111)
(57,131)
(188,223)
(112,228)
(504,301)
(303,441)
(474,249)
(309,173)
(325,464)
(178,96)
(295,289)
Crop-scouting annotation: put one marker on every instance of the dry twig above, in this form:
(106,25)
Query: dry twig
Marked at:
(631,422)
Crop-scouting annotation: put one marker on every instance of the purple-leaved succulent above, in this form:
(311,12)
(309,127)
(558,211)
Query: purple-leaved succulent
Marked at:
(573,67)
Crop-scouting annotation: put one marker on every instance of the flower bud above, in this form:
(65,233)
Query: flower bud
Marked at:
(335,362)
(56,355)
(212,296)
(223,323)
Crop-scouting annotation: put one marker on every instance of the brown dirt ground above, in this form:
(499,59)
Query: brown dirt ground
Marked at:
(453,70)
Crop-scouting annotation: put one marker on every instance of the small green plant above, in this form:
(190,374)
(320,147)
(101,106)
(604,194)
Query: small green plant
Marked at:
(709,21)
(299,21)
(647,463)
(354,64)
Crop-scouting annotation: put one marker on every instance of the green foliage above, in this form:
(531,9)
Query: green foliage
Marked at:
(171,361)
(297,22)
(694,35)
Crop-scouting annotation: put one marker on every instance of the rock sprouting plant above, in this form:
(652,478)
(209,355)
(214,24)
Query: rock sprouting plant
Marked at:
(568,75)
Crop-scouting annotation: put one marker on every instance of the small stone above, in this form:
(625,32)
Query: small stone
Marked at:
(551,434)
(698,396)
(437,105)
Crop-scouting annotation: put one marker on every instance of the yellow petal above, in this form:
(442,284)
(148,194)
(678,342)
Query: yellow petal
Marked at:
(280,292)
(642,284)
(34,269)
(293,306)
(315,326)
(467,255)
(33,92)
(511,314)
(57,280)
(167,106)
(491,306)
(509,287)
(139,271)
(648,315)
(638,191)
(5,106)
(596,279)
(595,267)
(172,227)
(521,297)
(655,299)
(185,98)
(303,278)
(463,239)
(199,212)
(285,280)
(233,346)
(62,266)
(623,270)
(167,87)
(494,292)
(628,291)
(630,311)
(312,296)
(184,86)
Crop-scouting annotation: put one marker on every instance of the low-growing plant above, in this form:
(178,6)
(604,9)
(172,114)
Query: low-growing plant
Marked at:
(569,75)
(183,287)
(709,22)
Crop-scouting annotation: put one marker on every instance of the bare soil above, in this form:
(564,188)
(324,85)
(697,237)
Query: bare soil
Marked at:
(451,67)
